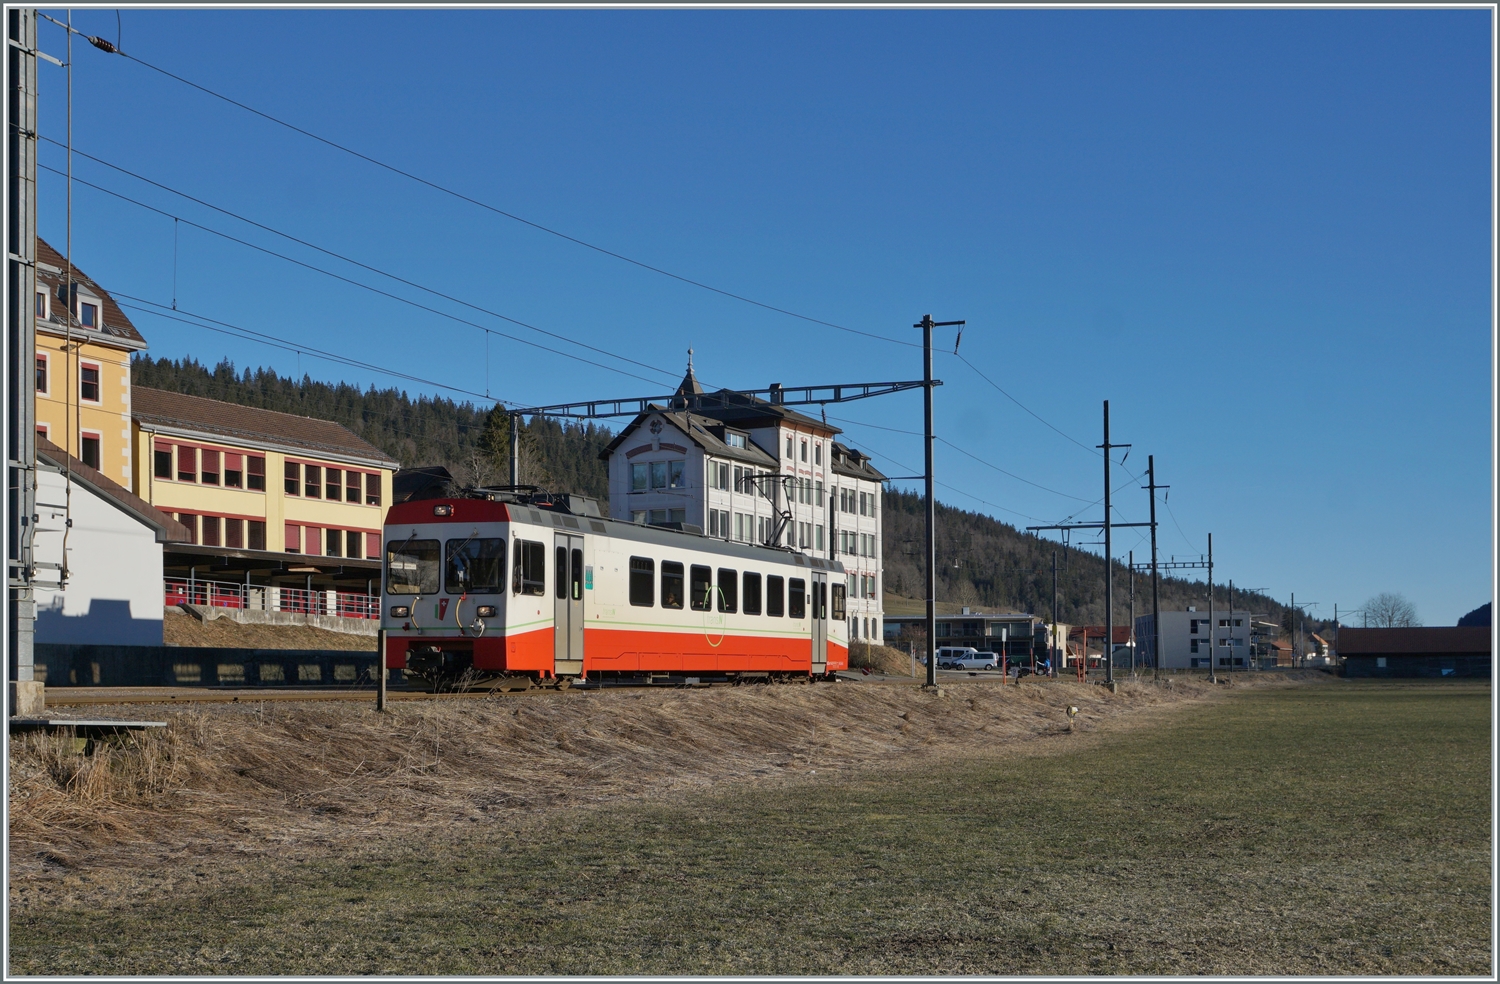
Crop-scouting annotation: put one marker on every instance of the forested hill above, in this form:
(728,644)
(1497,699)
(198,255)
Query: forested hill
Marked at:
(470,441)
(981,561)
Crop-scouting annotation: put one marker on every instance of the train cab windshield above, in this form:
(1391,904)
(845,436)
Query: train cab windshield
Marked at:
(412,567)
(476,565)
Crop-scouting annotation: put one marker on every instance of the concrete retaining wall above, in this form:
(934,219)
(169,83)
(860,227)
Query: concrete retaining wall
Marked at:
(63,665)
(333,623)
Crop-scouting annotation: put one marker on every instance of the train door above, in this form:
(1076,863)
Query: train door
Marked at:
(567,611)
(819,613)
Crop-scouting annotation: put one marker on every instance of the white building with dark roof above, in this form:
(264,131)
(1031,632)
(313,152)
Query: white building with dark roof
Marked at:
(757,474)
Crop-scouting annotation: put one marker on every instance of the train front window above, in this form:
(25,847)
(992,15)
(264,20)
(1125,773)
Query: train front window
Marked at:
(671,584)
(728,589)
(702,587)
(775,595)
(797,598)
(412,567)
(476,566)
(529,569)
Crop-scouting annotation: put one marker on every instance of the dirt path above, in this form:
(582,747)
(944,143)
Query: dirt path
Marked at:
(227,785)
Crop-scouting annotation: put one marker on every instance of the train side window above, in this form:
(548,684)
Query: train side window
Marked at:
(775,595)
(560,583)
(643,581)
(750,595)
(576,576)
(838,602)
(531,559)
(702,588)
(729,593)
(671,584)
(797,598)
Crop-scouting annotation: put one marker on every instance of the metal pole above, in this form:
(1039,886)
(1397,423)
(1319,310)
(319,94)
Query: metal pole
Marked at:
(1053,647)
(927,324)
(1132,613)
(515,449)
(1109,568)
(1212,633)
(380,668)
(1231,628)
(1155,587)
(20,357)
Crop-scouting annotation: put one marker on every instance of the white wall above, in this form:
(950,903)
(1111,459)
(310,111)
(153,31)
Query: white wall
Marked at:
(1177,637)
(114,589)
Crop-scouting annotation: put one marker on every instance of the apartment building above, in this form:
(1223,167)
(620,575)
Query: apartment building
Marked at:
(83,347)
(243,478)
(755,472)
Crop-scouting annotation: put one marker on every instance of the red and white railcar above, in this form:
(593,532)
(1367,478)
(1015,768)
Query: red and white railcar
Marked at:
(500,584)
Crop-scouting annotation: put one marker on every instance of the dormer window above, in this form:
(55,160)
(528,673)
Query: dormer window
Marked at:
(43,307)
(88,314)
(734,440)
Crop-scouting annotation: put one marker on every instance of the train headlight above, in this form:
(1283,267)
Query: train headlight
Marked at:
(444,510)
(400,611)
(486,611)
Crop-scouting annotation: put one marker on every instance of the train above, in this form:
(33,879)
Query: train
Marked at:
(515,587)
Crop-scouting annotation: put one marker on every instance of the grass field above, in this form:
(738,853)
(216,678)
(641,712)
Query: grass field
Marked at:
(1340,828)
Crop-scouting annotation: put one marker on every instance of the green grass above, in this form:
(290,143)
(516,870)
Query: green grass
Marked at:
(1341,828)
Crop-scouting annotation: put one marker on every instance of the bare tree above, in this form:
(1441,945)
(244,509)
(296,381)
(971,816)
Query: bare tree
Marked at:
(1391,610)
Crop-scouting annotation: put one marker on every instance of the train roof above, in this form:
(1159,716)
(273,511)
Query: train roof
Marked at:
(580,514)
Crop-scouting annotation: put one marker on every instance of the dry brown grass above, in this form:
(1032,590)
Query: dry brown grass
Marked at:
(224,784)
(884,660)
(182,629)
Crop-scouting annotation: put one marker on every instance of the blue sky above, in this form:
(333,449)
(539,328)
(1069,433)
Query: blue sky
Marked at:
(1264,236)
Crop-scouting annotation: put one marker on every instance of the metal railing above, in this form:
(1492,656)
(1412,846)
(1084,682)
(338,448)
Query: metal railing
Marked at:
(266,598)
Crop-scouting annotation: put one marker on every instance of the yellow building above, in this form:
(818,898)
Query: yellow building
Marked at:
(244,478)
(83,348)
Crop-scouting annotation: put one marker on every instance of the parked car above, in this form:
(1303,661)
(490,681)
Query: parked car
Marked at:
(947,656)
(975,661)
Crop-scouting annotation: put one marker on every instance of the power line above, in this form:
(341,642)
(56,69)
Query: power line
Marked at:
(225,328)
(336,255)
(1018,403)
(1009,474)
(374,290)
(106,46)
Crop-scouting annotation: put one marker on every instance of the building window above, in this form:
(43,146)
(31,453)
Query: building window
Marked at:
(89,449)
(818,453)
(372,545)
(191,522)
(88,314)
(187,464)
(210,470)
(351,550)
(352,482)
(257,531)
(293,538)
(162,461)
(312,540)
(664,517)
(640,477)
(43,308)
(41,430)
(372,490)
(804,450)
(41,373)
(335,484)
(234,471)
(312,481)
(789,447)
(255,473)
(335,543)
(210,531)
(88,382)
(293,473)
(818,538)
(734,440)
